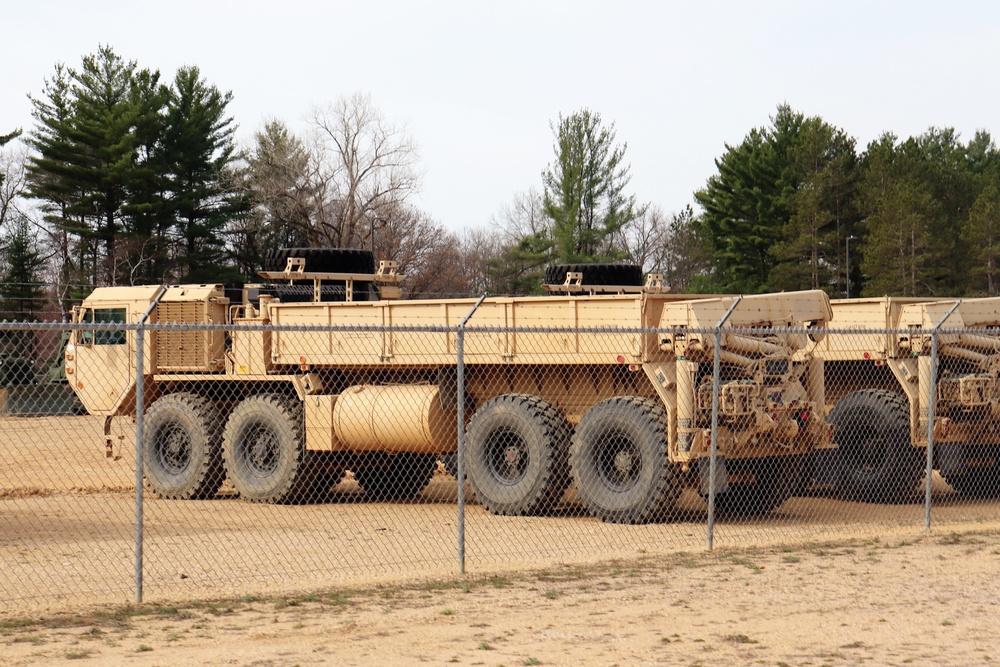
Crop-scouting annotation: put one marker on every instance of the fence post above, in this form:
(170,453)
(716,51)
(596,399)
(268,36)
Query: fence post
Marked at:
(140,395)
(139,409)
(931,404)
(713,446)
(460,398)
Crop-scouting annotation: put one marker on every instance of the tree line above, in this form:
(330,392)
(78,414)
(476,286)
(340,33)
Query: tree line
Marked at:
(919,217)
(125,178)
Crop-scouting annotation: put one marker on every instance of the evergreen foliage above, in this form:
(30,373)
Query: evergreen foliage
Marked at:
(130,171)
(585,190)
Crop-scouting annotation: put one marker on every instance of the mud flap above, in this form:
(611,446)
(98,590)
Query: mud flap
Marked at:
(705,471)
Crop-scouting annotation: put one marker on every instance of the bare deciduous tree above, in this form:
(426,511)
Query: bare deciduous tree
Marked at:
(365,171)
(523,216)
(13,177)
(428,255)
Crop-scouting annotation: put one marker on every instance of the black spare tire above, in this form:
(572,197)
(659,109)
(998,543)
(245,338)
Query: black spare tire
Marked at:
(322,260)
(596,274)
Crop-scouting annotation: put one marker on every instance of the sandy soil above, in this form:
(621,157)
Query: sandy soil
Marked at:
(377,582)
(929,600)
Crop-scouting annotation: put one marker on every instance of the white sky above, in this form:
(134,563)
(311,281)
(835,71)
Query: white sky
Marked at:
(477,83)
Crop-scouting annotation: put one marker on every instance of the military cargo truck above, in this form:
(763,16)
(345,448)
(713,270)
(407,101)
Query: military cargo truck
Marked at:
(879,384)
(283,412)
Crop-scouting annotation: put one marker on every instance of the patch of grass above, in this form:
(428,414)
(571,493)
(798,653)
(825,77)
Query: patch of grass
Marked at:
(531,661)
(485,646)
(552,595)
(740,639)
(143,648)
(78,655)
(447,612)
(17,624)
(29,639)
(854,645)
(792,559)
(946,622)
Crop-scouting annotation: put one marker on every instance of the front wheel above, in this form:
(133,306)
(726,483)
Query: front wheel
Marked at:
(877,463)
(620,464)
(264,450)
(180,447)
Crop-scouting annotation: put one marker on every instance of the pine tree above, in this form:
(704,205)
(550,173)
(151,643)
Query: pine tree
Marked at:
(981,234)
(198,152)
(22,295)
(585,189)
(89,149)
(744,213)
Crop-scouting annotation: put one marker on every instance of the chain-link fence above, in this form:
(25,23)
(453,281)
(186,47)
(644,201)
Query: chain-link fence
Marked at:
(275,458)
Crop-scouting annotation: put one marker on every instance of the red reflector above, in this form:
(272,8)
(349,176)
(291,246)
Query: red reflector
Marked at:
(620,359)
(866,355)
(804,415)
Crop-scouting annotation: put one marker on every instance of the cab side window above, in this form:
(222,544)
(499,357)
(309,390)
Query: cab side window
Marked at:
(104,316)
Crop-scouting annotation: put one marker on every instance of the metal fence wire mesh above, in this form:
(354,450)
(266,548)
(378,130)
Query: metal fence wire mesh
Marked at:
(276,457)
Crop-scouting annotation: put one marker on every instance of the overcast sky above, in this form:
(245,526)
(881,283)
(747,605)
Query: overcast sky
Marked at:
(477,84)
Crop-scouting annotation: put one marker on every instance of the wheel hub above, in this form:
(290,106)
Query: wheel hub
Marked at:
(174,448)
(262,451)
(623,462)
(508,457)
(619,462)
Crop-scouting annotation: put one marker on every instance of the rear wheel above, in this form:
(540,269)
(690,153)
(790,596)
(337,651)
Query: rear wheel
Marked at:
(180,447)
(516,455)
(264,450)
(876,461)
(619,461)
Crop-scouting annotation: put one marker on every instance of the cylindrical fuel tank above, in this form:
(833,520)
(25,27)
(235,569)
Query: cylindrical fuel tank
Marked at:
(394,418)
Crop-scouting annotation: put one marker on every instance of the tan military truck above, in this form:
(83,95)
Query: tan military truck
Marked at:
(879,384)
(626,416)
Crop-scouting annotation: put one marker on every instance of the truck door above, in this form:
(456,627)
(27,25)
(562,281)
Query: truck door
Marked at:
(103,361)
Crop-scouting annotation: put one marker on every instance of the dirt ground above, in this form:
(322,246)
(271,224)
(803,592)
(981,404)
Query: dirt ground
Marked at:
(820,582)
(929,600)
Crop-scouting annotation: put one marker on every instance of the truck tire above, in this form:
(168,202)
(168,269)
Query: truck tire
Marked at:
(774,481)
(397,477)
(620,464)
(875,460)
(596,274)
(516,455)
(264,451)
(180,447)
(979,482)
(322,260)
